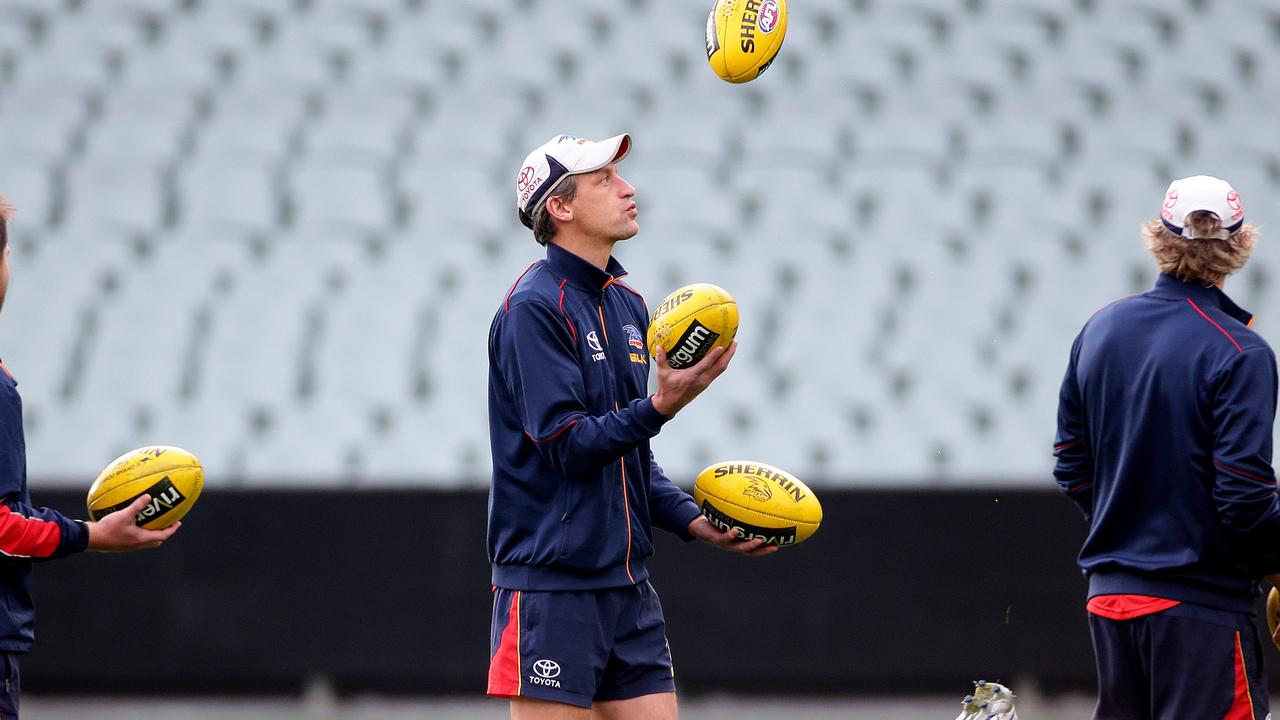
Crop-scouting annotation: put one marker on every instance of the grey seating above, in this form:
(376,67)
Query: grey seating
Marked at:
(916,209)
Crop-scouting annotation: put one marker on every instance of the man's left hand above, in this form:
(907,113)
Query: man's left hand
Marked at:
(702,529)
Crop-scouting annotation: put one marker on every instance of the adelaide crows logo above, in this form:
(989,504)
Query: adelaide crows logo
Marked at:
(633,336)
(636,341)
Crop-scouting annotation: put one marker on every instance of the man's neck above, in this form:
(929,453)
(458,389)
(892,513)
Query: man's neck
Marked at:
(592,250)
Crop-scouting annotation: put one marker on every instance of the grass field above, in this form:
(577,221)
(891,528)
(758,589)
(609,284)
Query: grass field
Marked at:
(704,708)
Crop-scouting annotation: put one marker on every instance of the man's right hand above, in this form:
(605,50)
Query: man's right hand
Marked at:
(119,532)
(677,388)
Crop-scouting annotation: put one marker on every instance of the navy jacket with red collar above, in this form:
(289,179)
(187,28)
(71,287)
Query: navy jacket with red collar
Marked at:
(1164,441)
(26,533)
(575,486)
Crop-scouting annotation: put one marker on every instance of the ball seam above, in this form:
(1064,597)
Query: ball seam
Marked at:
(767,514)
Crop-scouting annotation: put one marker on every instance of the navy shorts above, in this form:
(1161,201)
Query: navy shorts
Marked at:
(579,647)
(1185,662)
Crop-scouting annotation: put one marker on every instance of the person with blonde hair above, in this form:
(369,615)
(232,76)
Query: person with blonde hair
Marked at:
(1164,442)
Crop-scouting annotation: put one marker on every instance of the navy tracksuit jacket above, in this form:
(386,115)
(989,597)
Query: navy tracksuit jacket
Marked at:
(1164,441)
(26,533)
(575,487)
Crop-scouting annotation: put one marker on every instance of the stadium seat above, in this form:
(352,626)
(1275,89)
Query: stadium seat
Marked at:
(240,198)
(146,127)
(40,123)
(31,187)
(331,196)
(108,197)
(365,130)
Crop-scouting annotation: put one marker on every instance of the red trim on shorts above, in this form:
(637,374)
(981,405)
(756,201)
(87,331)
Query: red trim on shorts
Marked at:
(504,667)
(1242,705)
(1128,607)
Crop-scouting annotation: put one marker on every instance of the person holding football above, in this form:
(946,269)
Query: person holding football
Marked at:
(577,628)
(29,533)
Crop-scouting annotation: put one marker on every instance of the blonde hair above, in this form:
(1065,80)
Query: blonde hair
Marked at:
(1202,259)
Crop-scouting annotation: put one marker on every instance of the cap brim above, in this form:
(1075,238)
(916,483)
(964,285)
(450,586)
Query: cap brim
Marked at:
(609,150)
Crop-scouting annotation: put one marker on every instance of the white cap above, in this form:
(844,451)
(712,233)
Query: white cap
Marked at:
(1201,192)
(558,158)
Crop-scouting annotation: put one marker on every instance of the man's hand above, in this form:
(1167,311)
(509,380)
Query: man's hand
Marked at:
(702,529)
(677,388)
(118,532)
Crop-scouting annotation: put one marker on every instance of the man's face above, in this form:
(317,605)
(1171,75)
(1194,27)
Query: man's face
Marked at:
(603,205)
(4,273)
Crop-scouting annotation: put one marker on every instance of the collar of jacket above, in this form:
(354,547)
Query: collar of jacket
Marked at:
(581,273)
(1171,288)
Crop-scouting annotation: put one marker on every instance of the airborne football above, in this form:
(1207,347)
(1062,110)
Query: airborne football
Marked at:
(744,36)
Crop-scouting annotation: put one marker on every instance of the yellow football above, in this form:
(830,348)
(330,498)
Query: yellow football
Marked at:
(691,321)
(758,499)
(171,476)
(744,36)
(1273,614)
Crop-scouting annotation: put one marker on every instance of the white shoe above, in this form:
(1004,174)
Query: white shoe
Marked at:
(989,701)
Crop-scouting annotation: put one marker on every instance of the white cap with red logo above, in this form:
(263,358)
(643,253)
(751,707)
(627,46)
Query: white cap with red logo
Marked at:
(1201,192)
(558,158)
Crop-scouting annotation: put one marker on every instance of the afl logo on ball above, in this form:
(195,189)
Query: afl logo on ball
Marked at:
(768,17)
(547,668)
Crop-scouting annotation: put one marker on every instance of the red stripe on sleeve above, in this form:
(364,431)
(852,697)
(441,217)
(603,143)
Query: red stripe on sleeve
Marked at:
(553,435)
(1244,474)
(504,667)
(27,537)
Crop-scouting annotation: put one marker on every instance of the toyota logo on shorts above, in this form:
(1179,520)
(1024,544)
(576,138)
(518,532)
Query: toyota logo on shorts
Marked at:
(546,668)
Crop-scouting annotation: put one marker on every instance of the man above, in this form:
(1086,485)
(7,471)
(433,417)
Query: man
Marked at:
(577,629)
(29,533)
(1164,441)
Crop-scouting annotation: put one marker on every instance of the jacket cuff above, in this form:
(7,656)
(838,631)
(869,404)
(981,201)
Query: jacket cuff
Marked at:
(649,415)
(685,514)
(75,537)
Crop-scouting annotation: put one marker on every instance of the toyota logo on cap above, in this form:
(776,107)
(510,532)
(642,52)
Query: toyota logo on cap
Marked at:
(546,668)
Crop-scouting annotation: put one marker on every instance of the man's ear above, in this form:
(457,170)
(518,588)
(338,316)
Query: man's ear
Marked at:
(559,209)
